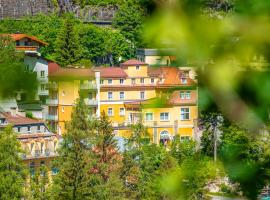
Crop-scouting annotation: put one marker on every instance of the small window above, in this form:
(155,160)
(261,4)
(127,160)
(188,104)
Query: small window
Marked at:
(109,81)
(42,74)
(142,95)
(110,112)
(121,81)
(19,129)
(38,128)
(152,80)
(164,116)
(182,95)
(122,112)
(188,95)
(184,80)
(133,81)
(101,82)
(28,129)
(42,163)
(110,95)
(137,67)
(26,43)
(17,43)
(184,114)
(142,80)
(148,116)
(42,87)
(122,95)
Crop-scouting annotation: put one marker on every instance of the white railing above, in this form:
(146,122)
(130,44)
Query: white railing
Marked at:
(91,102)
(51,101)
(88,86)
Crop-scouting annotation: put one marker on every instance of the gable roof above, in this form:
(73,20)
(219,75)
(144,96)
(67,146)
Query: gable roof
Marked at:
(17,37)
(19,120)
(111,72)
(133,62)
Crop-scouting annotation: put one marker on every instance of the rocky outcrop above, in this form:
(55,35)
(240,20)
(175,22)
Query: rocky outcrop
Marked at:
(20,8)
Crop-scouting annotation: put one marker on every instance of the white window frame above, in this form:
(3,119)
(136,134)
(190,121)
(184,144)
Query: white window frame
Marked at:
(142,92)
(182,113)
(133,81)
(42,74)
(182,95)
(184,80)
(164,116)
(110,113)
(146,114)
(110,98)
(124,112)
(101,81)
(188,95)
(42,87)
(121,95)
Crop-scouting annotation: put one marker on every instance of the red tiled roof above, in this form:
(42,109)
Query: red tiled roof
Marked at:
(133,62)
(17,37)
(154,71)
(19,120)
(172,76)
(111,72)
(37,135)
(52,67)
(73,73)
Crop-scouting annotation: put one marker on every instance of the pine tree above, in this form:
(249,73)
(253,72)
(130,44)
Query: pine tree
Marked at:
(39,184)
(68,50)
(106,163)
(72,180)
(12,171)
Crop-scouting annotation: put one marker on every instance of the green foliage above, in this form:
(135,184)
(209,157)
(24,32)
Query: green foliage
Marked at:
(244,159)
(12,173)
(129,20)
(39,184)
(182,150)
(188,182)
(67,48)
(73,163)
(13,74)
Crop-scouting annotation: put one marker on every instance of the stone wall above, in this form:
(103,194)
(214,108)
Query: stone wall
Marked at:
(19,8)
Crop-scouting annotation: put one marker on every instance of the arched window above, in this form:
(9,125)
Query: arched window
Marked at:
(164,137)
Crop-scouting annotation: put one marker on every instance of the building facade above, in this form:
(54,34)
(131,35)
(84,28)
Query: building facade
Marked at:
(39,145)
(164,99)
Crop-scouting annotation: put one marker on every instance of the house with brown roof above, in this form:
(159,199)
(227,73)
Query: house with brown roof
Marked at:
(38,143)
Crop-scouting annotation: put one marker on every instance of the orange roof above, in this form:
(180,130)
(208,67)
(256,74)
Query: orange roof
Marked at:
(73,73)
(19,120)
(111,72)
(17,37)
(133,62)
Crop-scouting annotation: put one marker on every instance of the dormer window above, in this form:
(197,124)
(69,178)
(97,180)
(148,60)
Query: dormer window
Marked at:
(17,43)
(109,81)
(184,80)
(28,129)
(137,67)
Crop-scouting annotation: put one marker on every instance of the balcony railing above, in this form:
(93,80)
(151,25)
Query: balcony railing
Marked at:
(52,117)
(88,86)
(52,101)
(91,102)
(43,93)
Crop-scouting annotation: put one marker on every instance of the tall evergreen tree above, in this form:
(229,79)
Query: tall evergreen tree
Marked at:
(106,163)
(68,50)
(71,183)
(11,167)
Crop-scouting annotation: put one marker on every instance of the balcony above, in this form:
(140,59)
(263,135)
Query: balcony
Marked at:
(52,117)
(43,93)
(88,86)
(52,86)
(91,102)
(52,102)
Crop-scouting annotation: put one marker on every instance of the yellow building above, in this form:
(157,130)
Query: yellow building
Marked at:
(163,98)
(65,87)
